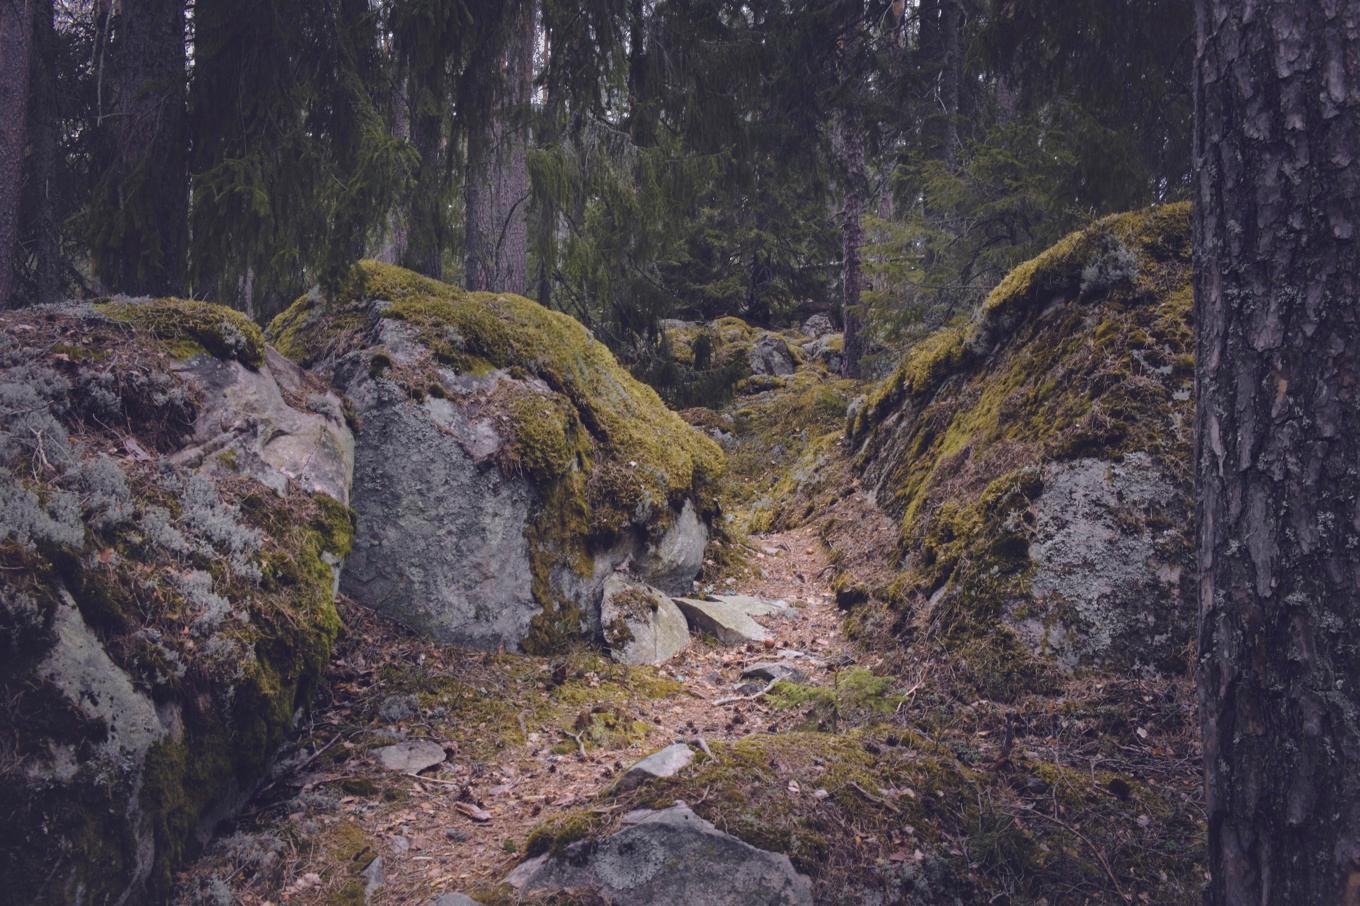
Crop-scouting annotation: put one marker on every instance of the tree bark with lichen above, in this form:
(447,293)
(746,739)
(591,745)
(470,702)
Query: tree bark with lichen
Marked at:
(1278,428)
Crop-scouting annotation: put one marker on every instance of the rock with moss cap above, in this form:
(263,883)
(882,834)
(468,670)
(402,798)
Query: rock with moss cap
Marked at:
(505,463)
(166,584)
(1038,458)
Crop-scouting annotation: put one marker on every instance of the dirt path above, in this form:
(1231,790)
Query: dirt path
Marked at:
(526,738)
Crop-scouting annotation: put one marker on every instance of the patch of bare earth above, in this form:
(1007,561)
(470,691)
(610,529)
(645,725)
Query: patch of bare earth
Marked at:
(525,738)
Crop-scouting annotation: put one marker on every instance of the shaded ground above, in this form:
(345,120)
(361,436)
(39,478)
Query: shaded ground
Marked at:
(527,739)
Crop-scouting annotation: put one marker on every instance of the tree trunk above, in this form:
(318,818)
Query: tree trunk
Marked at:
(425,236)
(45,126)
(850,138)
(395,231)
(16,40)
(141,211)
(1278,441)
(496,182)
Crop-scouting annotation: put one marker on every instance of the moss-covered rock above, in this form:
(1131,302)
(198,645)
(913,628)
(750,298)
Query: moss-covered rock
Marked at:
(506,463)
(166,590)
(1038,458)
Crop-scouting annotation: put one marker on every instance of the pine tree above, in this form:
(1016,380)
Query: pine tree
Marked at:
(139,215)
(16,40)
(1278,427)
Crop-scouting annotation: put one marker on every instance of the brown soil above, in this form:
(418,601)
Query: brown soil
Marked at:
(336,808)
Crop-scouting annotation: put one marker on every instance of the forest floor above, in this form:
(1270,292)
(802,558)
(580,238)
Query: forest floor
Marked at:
(526,738)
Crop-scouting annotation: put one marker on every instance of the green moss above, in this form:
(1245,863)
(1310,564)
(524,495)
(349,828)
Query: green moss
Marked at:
(1049,370)
(605,453)
(560,831)
(187,328)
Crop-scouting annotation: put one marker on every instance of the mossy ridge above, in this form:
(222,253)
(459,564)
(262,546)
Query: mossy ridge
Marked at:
(1055,368)
(188,328)
(1160,239)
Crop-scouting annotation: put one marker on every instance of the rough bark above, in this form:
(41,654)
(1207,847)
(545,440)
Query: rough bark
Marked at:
(426,233)
(16,41)
(44,126)
(1278,428)
(141,213)
(395,231)
(496,186)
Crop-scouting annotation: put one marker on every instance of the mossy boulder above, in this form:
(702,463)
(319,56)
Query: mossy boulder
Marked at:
(1038,459)
(167,566)
(505,463)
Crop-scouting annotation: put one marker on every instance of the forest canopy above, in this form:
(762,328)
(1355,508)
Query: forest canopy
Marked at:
(625,161)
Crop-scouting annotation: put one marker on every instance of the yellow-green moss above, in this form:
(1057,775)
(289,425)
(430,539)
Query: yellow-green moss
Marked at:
(555,834)
(187,328)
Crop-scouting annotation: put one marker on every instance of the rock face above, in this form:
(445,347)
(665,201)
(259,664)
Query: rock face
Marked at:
(818,325)
(668,856)
(640,624)
(166,584)
(1038,460)
(505,464)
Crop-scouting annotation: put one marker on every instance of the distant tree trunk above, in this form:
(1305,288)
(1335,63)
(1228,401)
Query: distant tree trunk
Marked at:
(496,183)
(16,40)
(1278,442)
(951,75)
(395,232)
(141,211)
(44,124)
(426,216)
(850,129)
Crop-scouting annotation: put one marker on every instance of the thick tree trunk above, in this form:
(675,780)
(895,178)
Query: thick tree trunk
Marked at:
(496,187)
(425,237)
(45,126)
(395,231)
(16,41)
(1278,428)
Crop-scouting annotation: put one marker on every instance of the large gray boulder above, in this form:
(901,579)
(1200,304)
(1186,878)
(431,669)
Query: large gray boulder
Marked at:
(172,519)
(506,465)
(770,355)
(640,624)
(668,856)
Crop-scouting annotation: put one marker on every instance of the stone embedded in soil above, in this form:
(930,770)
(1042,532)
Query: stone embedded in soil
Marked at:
(666,763)
(453,899)
(668,856)
(410,757)
(396,708)
(774,670)
(641,624)
(756,607)
(374,878)
(729,625)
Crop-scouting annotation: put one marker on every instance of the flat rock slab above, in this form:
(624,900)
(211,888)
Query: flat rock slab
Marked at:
(410,757)
(453,899)
(757,607)
(668,856)
(666,763)
(728,624)
(774,670)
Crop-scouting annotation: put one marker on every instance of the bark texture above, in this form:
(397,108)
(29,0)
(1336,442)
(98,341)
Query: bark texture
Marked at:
(1278,450)
(44,131)
(496,191)
(16,41)
(141,212)
(850,138)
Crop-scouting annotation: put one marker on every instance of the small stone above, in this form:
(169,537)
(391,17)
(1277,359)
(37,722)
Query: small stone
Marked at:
(453,899)
(397,708)
(774,670)
(666,763)
(374,878)
(400,845)
(455,835)
(410,757)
